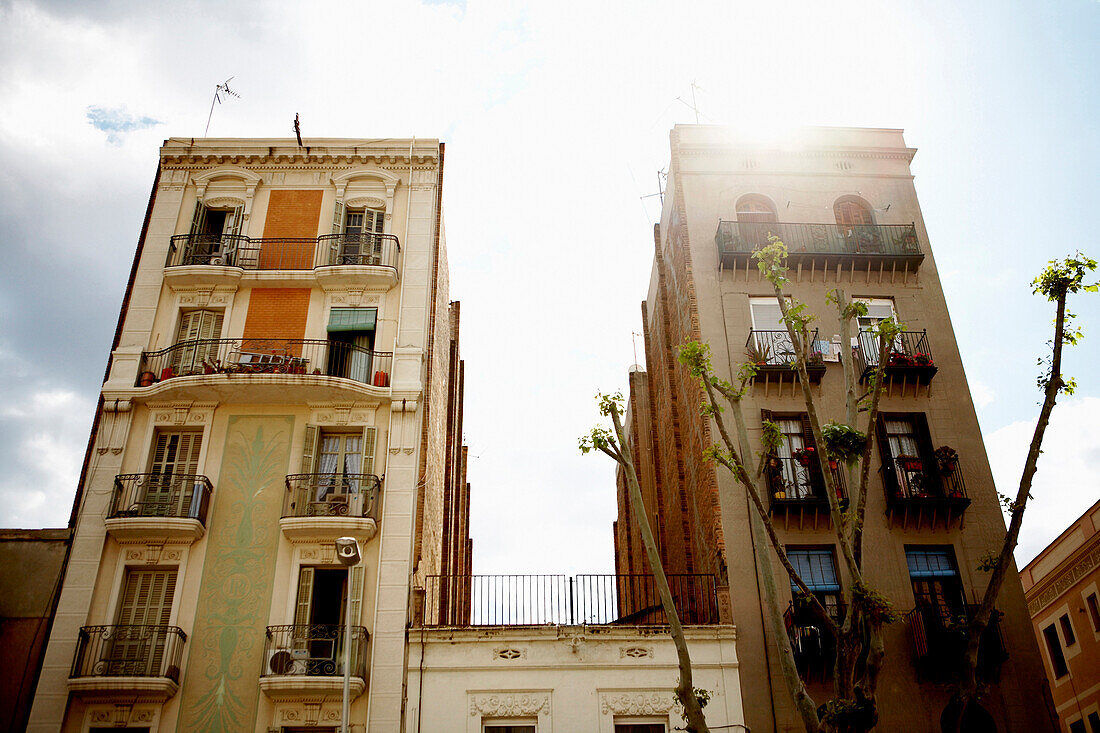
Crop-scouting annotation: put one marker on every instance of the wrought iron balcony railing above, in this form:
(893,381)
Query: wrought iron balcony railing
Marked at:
(535,600)
(333,495)
(129,651)
(822,243)
(909,357)
(266,356)
(182,495)
(315,650)
(939,641)
(800,482)
(813,645)
(919,480)
(773,354)
(379,250)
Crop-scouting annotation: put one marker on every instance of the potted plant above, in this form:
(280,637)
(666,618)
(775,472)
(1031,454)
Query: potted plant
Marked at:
(947,458)
(842,442)
(167,373)
(911,463)
(773,461)
(758,353)
(816,360)
(147,379)
(780,494)
(804,455)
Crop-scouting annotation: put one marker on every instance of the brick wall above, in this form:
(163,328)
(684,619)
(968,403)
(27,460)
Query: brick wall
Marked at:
(291,214)
(277,313)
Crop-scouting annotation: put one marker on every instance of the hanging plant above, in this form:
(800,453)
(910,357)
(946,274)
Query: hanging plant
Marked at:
(843,442)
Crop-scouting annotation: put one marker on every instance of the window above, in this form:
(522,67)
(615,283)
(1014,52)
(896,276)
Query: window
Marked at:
(878,310)
(817,568)
(773,343)
(170,490)
(640,728)
(791,477)
(360,243)
(509,728)
(1054,648)
(906,450)
(335,464)
(936,585)
(214,234)
(1067,630)
(853,217)
(1077,726)
(755,209)
(351,337)
(1094,722)
(196,341)
(1094,611)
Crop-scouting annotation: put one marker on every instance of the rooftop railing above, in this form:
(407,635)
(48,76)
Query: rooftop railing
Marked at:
(537,600)
(227,250)
(332,495)
(266,356)
(736,241)
(181,495)
(129,651)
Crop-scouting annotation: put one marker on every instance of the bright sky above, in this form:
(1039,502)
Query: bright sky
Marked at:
(556,119)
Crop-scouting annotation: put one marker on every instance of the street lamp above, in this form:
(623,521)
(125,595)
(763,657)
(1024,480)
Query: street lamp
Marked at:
(347,552)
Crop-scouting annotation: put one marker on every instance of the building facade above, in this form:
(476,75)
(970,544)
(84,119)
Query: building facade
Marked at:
(844,202)
(1062,587)
(285,371)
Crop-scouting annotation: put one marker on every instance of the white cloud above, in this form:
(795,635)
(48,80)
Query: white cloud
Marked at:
(1067,481)
(981,393)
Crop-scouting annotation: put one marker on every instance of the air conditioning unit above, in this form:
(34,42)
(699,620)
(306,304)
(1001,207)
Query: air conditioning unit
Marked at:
(217,260)
(286,661)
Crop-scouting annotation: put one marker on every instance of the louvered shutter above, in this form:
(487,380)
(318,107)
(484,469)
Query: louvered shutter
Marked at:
(338,218)
(198,219)
(309,450)
(303,608)
(174,453)
(146,602)
(369,435)
(355,597)
(196,325)
(234,221)
(889,466)
(817,480)
(373,224)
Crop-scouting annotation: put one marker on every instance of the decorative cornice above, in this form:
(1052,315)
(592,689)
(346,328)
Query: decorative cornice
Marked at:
(641,702)
(504,705)
(1055,583)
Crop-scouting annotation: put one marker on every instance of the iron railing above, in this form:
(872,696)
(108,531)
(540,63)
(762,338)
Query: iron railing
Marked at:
(738,240)
(293,253)
(923,479)
(129,651)
(909,353)
(774,349)
(266,356)
(813,645)
(183,495)
(939,633)
(794,482)
(313,650)
(332,495)
(535,600)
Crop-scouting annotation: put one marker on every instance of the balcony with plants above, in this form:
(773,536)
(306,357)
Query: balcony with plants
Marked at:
(773,355)
(167,505)
(925,487)
(814,646)
(208,368)
(908,361)
(324,504)
(938,635)
(127,662)
(886,247)
(308,660)
(366,259)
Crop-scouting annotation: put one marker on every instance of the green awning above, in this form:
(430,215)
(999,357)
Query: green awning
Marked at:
(352,319)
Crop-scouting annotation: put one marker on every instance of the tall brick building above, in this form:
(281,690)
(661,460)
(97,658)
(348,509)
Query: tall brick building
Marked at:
(843,201)
(285,371)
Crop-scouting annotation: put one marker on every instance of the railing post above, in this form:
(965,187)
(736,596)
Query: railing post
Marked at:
(572,617)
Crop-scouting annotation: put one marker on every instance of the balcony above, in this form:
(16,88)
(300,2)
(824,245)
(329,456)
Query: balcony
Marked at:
(336,260)
(884,248)
(939,641)
(920,489)
(813,645)
(215,368)
(308,660)
(909,359)
(170,505)
(773,354)
(127,662)
(327,504)
(537,600)
(797,489)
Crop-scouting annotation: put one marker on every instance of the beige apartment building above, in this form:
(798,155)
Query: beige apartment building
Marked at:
(1062,587)
(285,372)
(844,202)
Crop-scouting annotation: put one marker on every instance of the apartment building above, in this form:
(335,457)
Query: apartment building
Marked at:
(844,202)
(1062,587)
(285,371)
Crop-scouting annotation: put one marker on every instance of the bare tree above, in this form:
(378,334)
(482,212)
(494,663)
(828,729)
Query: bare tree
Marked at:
(1060,279)
(616,445)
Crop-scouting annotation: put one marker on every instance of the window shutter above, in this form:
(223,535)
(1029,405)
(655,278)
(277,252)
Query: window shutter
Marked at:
(234,222)
(309,449)
(373,221)
(355,596)
(369,435)
(198,219)
(889,469)
(338,218)
(302,607)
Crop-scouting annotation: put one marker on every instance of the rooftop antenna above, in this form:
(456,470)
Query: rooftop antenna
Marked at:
(694,107)
(634,338)
(218,90)
(297,130)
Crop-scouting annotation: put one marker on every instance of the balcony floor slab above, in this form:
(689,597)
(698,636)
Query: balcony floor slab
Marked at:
(172,528)
(255,389)
(304,528)
(290,687)
(131,689)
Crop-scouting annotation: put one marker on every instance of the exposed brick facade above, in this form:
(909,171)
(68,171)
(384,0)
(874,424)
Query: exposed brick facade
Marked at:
(277,313)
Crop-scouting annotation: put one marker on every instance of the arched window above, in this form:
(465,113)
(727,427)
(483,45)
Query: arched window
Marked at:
(755,208)
(852,213)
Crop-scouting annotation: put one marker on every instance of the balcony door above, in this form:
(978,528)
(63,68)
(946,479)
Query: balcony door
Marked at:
(936,585)
(340,457)
(197,338)
(214,235)
(175,453)
(144,612)
(773,343)
(906,447)
(878,310)
(360,244)
(319,617)
(797,481)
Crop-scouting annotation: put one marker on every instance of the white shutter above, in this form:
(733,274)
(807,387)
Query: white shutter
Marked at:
(369,435)
(234,221)
(373,221)
(355,599)
(309,450)
(338,218)
(198,219)
(302,608)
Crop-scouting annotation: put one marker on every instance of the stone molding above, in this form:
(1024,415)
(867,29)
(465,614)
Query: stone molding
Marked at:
(342,414)
(509,704)
(1062,581)
(182,413)
(636,702)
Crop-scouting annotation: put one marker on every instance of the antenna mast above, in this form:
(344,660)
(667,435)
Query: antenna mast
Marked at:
(223,87)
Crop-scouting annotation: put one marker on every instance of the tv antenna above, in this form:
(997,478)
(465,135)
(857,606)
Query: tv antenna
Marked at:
(634,338)
(694,107)
(222,88)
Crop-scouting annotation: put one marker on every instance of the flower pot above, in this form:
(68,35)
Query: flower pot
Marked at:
(147,379)
(780,495)
(804,462)
(167,373)
(832,464)
(773,462)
